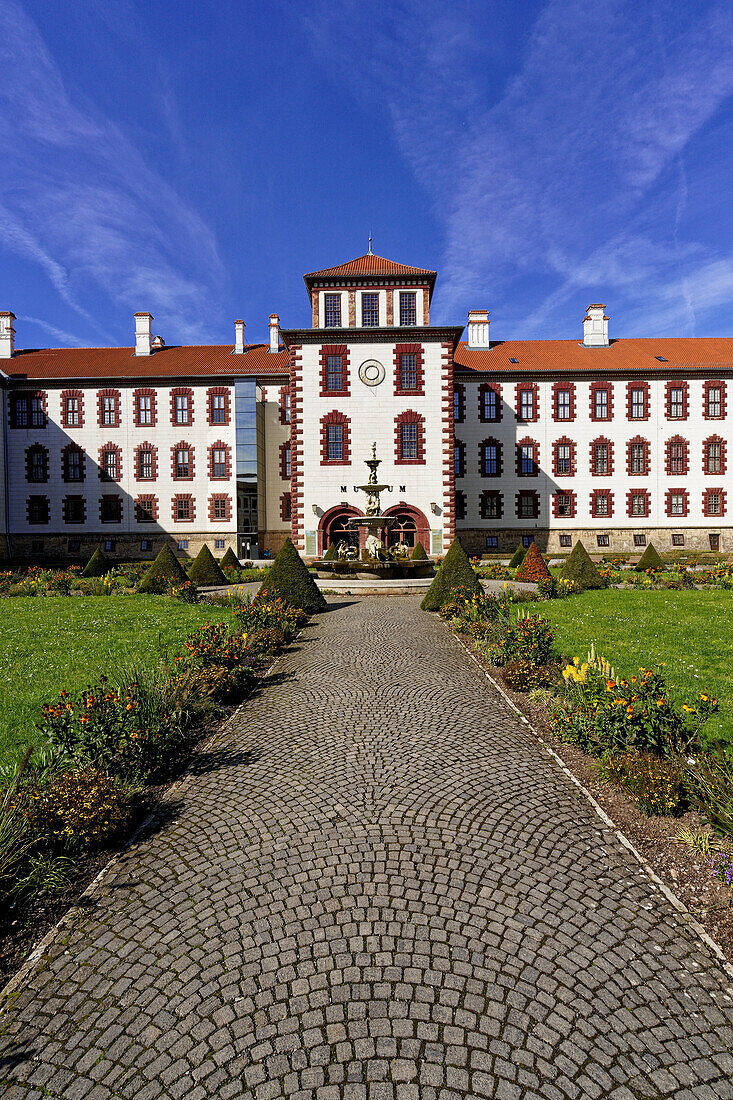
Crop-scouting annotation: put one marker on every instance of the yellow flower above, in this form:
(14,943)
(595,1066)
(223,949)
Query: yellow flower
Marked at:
(576,661)
(690,710)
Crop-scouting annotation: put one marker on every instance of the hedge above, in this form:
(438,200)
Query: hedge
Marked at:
(456,571)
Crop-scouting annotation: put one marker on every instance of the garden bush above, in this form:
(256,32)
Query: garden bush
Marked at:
(77,809)
(656,786)
(290,580)
(533,567)
(268,639)
(262,613)
(331,554)
(215,644)
(650,559)
(517,557)
(530,639)
(524,676)
(230,560)
(165,572)
(97,565)
(579,569)
(418,554)
(456,572)
(186,592)
(205,570)
(219,683)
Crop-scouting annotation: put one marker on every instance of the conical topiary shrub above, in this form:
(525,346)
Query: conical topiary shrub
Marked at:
(418,554)
(97,565)
(534,567)
(165,569)
(578,567)
(331,554)
(205,569)
(230,560)
(517,557)
(650,559)
(290,580)
(455,572)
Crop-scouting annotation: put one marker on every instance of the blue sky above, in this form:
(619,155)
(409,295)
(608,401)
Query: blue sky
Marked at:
(195,160)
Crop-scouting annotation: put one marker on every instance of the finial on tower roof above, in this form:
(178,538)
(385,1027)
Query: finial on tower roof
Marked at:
(370,244)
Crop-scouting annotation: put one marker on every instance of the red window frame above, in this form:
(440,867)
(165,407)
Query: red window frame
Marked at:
(336,417)
(343,351)
(564,441)
(409,416)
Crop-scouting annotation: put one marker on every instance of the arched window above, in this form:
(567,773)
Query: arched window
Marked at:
(403,530)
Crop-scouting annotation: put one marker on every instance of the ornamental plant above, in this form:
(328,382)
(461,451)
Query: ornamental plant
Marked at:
(97,565)
(77,809)
(455,572)
(650,559)
(656,786)
(205,569)
(214,644)
(186,592)
(579,569)
(290,580)
(165,572)
(517,557)
(534,567)
(230,560)
(418,553)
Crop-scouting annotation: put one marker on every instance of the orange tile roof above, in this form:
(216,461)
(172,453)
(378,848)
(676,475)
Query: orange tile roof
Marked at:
(543,356)
(368,264)
(168,362)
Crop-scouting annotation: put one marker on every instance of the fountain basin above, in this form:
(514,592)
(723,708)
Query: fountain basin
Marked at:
(371,569)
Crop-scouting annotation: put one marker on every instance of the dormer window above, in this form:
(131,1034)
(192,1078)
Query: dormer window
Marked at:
(408,308)
(333,310)
(370,310)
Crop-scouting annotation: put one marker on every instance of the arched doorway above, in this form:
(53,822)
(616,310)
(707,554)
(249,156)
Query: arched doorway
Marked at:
(410,526)
(333,527)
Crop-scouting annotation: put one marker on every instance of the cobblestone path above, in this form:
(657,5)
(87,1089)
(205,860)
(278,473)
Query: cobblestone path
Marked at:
(378,887)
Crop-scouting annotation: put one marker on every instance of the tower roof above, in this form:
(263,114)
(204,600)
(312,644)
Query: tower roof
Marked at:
(368,264)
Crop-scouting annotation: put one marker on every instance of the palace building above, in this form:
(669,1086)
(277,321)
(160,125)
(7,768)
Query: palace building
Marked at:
(616,442)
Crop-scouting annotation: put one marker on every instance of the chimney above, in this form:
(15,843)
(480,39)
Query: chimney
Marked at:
(239,337)
(595,327)
(478,328)
(7,334)
(274,332)
(143,333)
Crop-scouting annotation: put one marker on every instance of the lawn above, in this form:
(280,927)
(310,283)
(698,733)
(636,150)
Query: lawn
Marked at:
(691,631)
(50,643)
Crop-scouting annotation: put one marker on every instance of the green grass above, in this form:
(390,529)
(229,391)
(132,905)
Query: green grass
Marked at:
(50,643)
(691,631)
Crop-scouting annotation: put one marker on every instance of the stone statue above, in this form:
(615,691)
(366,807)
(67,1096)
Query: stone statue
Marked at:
(346,551)
(400,551)
(375,547)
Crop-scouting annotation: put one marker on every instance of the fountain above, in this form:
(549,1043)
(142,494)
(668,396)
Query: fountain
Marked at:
(377,562)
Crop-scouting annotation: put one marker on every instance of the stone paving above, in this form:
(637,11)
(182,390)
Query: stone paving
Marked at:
(377,886)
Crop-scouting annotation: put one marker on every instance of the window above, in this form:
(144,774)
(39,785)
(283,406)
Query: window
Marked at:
(333,310)
(457,405)
(220,544)
(562,405)
(492,505)
(678,540)
(73,546)
(109,545)
(602,540)
(144,409)
(600,459)
(286,462)
(370,310)
(146,544)
(183,462)
(72,464)
(528,506)
(409,441)
(146,509)
(490,404)
(335,444)
(38,510)
(20,412)
(563,458)
(714,504)
(639,539)
(459,459)
(110,465)
(74,510)
(638,504)
(38,412)
(183,544)
(492,542)
(183,508)
(110,509)
(676,403)
(182,406)
(286,507)
(566,540)
(714,543)
(145,464)
(408,308)
(460,505)
(219,508)
(285,406)
(491,458)
(676,463)
(677,504)
(334,373)
(526,460)
(713,458)
(218,409)
(564,505)
(219,462)
(600,404)
(527,541)
(72,416)
(36,464)
(526,405)
(601,505)
(408,371)
(714,403)
(637,404)
(109,411)
(637,458)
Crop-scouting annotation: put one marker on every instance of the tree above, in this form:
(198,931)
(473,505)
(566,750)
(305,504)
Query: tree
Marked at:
(205,570)
(290,580)
(456,572)
(578,567)
(97,565)
(650,559)
(165,570)
(418,554)
(230,560)
(533,567)
(517,557)
(331,554)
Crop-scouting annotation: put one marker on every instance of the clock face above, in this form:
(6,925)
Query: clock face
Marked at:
(371,372)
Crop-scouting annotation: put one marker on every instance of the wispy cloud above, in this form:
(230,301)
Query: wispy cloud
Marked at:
(65,339)
(78,198)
